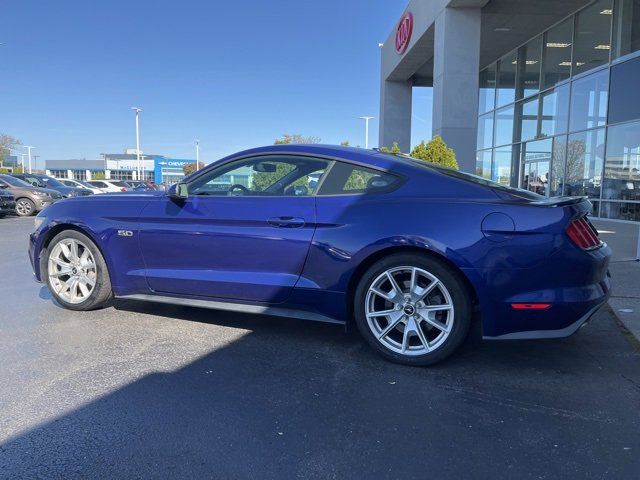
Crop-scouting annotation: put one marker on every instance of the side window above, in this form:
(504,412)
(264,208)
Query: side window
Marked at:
(347,179)
(273,175)
(99,184)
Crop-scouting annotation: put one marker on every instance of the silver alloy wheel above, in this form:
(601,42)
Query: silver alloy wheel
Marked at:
(24,207)
(409,310)
(72,270)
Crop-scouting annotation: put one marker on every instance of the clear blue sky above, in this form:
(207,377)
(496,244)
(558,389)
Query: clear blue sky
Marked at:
(233,74)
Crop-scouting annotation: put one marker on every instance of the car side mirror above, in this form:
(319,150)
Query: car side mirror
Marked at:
(179,191)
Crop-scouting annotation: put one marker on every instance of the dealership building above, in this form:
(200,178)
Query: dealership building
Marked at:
(538,94)
(121,166)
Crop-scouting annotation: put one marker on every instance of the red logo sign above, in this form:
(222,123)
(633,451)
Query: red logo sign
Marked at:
(403,33)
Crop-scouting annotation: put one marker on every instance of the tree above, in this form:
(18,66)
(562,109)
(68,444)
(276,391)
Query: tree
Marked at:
(395,149)
(7,142)
(189,168)
(98,176)
(436,151)
(287,139)
(345,143)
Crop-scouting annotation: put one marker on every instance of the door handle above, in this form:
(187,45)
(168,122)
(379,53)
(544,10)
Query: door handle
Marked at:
(286,222)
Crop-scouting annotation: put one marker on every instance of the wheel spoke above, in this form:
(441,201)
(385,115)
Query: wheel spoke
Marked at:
(439,325)
(87,280)
(406,337)
(421,293)
(74,251)
(394,285)
(421,336)
(65,251)
(60,273)
(392,324)
(386,295)
(83,288)
(382,313)
(424,311)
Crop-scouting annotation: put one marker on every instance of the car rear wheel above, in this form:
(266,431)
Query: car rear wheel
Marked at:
(413,309)
(25,207)
(76,272)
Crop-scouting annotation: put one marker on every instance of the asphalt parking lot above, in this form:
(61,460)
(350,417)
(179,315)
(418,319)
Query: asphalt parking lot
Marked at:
(151,391)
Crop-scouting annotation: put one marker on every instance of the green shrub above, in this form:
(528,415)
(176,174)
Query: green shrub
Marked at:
(436,151)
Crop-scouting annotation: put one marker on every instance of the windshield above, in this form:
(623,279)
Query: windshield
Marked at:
(51,182)
(13,181)
(121,184)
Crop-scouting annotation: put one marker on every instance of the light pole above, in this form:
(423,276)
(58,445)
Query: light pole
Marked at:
(197,144)
(366,130)
(139,170)
(29,155)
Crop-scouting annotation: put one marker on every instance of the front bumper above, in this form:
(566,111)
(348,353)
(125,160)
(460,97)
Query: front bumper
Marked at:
(7,206)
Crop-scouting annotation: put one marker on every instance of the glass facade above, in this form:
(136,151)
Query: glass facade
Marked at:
(560,115)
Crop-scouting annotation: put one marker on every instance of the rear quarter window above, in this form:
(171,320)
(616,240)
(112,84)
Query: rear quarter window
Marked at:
(348,179)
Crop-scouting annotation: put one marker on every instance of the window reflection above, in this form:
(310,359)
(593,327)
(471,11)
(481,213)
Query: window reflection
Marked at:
(626,27)
(622,168)
(529,57)
(483,164)
(485,131)
(506,81)
(555,111)
(624,101)
(527,119)
(556,59)
(487,92)
(589,101)
(556,186)
(504,126)
(536,161)
(592,37)
(502,161)
(585,152)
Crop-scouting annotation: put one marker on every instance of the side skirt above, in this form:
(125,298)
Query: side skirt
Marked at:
(233,307)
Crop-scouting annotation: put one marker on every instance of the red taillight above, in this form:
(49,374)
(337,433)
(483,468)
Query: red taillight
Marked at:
(583,234)
(530,306)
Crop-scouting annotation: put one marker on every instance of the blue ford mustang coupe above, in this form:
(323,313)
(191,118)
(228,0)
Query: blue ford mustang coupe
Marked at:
(412,253)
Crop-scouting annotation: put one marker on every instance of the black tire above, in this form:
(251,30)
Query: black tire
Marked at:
(101,294)
(25,207)
(460,297)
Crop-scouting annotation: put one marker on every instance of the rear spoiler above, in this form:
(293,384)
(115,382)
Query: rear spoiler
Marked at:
(559,201)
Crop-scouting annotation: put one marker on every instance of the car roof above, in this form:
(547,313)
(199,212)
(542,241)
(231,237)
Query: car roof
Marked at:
(373,158)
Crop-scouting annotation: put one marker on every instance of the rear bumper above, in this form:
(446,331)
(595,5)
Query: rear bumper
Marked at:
(542,334)
(7,206)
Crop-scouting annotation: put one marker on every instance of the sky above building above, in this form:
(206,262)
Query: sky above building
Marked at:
(232,74)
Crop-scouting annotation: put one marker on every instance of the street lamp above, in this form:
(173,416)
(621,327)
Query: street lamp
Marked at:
(197,144)
(139,170)
(29,155)
(366,130)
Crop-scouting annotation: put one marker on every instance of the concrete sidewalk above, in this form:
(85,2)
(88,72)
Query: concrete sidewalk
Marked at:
(625,271)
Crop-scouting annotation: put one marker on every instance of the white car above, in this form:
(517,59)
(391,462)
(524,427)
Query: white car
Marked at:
(78,184)
(109,185)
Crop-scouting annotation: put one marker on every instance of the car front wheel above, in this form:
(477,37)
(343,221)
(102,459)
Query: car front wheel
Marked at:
(413,309)
(25,207)
(76,272)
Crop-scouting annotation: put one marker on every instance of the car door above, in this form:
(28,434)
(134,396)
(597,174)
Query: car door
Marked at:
(243,233)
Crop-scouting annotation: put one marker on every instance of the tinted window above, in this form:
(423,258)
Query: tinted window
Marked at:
(592,37)
(504,126)
(556,56)
(624,103)
(273,175)
(555,111)
(487,93)
(529,68)
(622,167)
(483,164)
(506,91)
(485,131)
(585,152)
(626,27)
(14,182)
(344,178)
(502,161)
(589,101)
(528,119)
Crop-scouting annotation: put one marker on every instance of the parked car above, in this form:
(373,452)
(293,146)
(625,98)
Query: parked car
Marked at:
(69,182)
(45,181)
(7,201)
(109,185)
(29,199)
(410,252)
